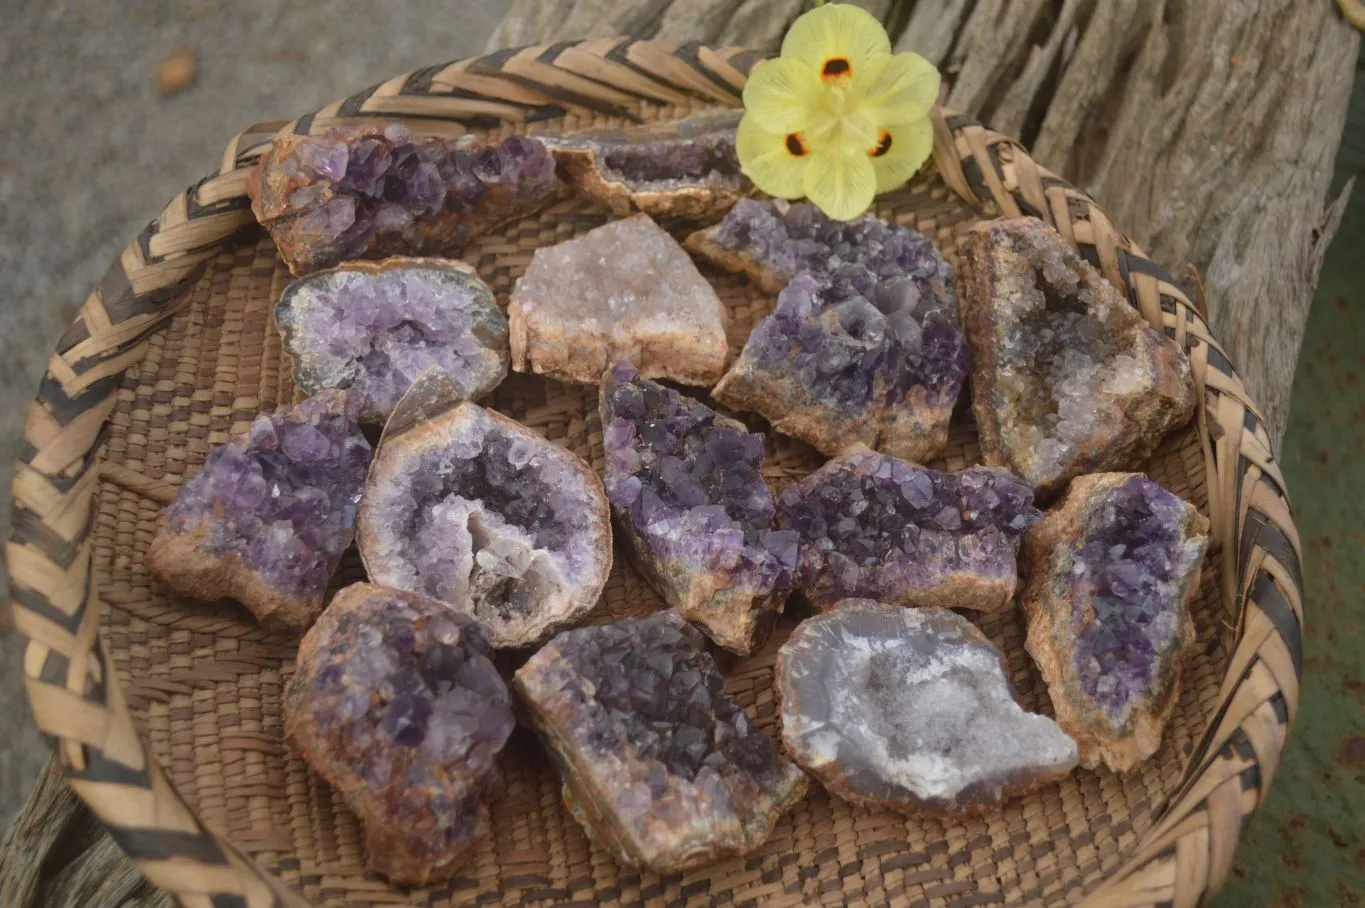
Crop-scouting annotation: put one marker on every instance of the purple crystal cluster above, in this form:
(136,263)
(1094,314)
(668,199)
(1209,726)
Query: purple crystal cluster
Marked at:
(279,501)
(637,715)
(397,704)
(662,161)
(372,191)
(374,328)
(876,527)
(1126,614)
(686,487)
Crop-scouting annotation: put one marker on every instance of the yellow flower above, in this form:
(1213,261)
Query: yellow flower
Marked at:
(837,118)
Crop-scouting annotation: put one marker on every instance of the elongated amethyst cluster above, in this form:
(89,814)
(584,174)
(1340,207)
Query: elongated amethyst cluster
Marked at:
(395,702)
(374,328)
(875,527)
(268,517)
(687,491)
(1112,570)
(659,763)
(372,191)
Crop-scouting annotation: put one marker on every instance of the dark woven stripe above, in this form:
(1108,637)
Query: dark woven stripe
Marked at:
(690,53)
(30,528)
(351,106)
(98,768)
(1258,531)
(38,604)
(165,844)
(1265,593)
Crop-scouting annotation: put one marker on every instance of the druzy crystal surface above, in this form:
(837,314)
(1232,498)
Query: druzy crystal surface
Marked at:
(396,703)
(625,291)
(872,526)
(1067,378)
(374,328)
(268,517)
(376,191)
(679,168)
(773,241)
(471,509)
(658,762)
(1112,570)
(686,488)
(911,709)
(849,357)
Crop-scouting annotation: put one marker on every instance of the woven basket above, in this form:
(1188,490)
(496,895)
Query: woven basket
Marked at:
(166,712)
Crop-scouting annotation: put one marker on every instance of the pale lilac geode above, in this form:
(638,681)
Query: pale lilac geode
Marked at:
(469,508)
(911,709)
(658,762)
(268,517)
(396,703)
(376,191)
(874,527)
(375,327)
(1112,571)
(690,501)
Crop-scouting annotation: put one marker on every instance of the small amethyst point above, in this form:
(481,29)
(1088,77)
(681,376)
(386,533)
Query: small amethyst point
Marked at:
(375,327)
(660,765)
(395,702)
(873,526)
(376,191)
(689,499)
(1067,378)
(267,519)
(849,358)
(683,168)
(911,709)
(469,508)
(1112,570)
(624,291)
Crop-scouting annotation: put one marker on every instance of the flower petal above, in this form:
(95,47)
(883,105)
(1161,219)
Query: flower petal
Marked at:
(767,161)
(783,95)
(899,89)
(836,32)
(909,149)
(840,181)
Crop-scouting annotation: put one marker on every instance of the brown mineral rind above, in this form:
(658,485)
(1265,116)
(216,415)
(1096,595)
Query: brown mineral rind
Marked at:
(703,245)
(1164,403)
(1051,641)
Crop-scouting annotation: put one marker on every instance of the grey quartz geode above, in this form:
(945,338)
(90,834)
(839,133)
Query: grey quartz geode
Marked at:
(469,508)
(660,765)
(911,709)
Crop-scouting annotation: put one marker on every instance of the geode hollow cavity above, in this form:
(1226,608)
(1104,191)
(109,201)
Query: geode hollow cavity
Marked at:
(684,168)
(395,702)
(1067,378)
(850,358)
(1112,570)
(377,191)
(911,709)
(686,488)
(469,508)
(873,526)
(267,519)
(660,765)
(625,291)
(375,327)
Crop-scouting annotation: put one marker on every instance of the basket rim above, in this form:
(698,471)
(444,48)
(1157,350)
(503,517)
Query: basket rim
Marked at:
(77,698)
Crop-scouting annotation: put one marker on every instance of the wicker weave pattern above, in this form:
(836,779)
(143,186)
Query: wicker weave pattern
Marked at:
(1183,853)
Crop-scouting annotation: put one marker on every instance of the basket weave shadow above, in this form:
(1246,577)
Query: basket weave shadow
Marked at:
(166,713)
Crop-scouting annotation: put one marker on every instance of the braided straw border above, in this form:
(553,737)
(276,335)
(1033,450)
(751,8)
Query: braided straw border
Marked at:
(76,698)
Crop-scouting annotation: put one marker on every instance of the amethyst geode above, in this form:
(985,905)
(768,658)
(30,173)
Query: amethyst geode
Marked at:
(685,168)
(685,485)
(1112,570)
(376,191)
(395,702)
(876,527)
(375,327)
(911,709)
(1067,378)
(467,507)
(266,520)
(660,765)
(850,358)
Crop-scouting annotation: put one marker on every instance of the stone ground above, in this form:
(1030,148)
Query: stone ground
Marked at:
(90,150)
